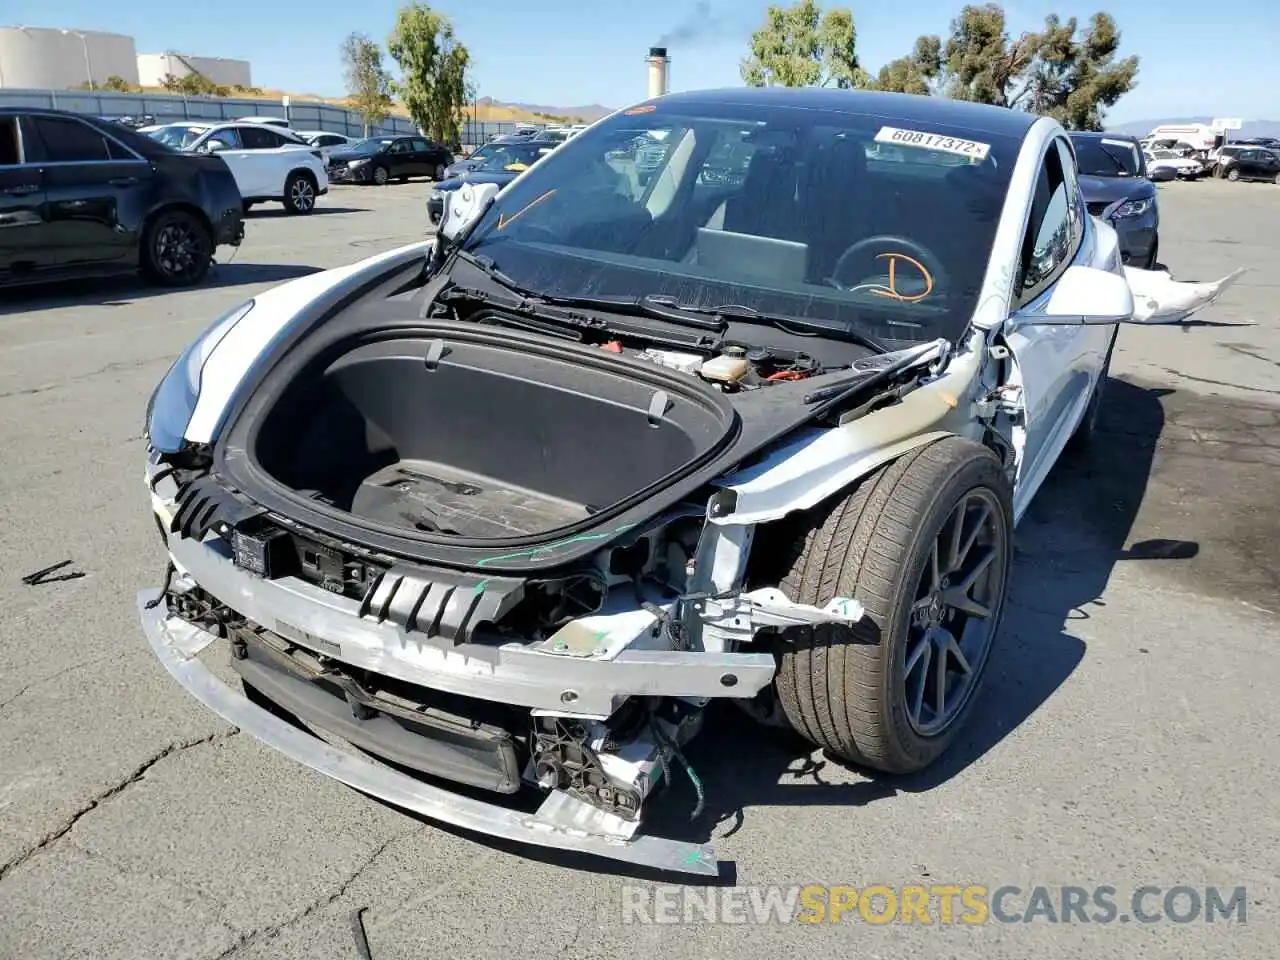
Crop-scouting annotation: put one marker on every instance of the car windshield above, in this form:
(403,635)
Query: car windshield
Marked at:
(179,137)
(1107,158)
(855,222)
(372,145)
(510,157)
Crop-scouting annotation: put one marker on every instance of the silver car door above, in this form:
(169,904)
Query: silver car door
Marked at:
(1057,365)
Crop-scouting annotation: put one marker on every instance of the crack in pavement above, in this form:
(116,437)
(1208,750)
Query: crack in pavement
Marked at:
(1218,383)
(27,688)
(96,801)
(270,932)
(80,378)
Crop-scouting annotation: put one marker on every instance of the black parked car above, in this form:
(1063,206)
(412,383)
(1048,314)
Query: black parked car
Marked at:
(1253,163)
(1113,178)
(84,196)
(380,159)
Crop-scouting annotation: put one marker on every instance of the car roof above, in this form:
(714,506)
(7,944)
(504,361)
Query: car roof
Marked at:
(1094,135)
(903,108)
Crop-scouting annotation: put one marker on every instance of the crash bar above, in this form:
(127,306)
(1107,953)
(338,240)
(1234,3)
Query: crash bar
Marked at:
(176,643)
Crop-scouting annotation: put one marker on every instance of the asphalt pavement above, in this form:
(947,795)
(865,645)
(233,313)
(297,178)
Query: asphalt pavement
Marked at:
(1125,737)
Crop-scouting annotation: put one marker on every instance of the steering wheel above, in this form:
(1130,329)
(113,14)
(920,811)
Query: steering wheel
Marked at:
(908,271)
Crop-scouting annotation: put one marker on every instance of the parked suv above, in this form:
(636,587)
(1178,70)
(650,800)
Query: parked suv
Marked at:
(382,159)
(1251,163)
(269,162)
(84,196)
(1114,181)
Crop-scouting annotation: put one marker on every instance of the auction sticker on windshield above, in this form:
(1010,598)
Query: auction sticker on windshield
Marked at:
(934,141)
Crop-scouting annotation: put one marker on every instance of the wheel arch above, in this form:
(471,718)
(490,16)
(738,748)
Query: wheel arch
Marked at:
(168,206)
(808,472)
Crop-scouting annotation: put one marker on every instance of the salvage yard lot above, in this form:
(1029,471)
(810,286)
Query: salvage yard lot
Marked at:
(1126,735)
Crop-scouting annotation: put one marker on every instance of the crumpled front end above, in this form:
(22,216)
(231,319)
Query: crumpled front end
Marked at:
(561,704)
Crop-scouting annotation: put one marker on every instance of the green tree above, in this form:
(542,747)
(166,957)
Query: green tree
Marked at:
(1075,78)
(1070,74)
(804,46)
(917,73)
(368,82)
(119,84)
(982,63)
(433,66)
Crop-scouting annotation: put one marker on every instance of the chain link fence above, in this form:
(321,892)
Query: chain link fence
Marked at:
(167,108)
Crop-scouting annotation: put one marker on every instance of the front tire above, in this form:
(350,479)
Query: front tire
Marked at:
(381,175)
(924,544)
(1233,174)
(300,193)
(177,249)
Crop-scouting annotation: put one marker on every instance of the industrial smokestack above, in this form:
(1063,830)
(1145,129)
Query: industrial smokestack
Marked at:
(659,64)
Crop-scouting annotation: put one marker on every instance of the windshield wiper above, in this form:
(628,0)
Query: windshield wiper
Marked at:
(532,311)
(656,307)
(784,322)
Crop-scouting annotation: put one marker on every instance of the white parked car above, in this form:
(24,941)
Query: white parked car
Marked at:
(1169,164)
(326,141)
(513,509)
(269,164)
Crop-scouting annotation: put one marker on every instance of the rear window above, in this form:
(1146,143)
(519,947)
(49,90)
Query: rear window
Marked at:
(1103,157)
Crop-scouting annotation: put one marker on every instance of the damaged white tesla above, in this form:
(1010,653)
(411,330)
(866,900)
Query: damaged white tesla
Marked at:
(485,525)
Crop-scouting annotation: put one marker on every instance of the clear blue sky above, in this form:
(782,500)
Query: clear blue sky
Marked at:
(1198,56)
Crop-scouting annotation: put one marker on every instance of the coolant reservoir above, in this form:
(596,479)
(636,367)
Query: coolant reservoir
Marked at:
(729,367)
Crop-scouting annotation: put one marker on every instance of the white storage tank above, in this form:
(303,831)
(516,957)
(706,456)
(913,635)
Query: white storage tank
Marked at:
(153,67)
(46,58)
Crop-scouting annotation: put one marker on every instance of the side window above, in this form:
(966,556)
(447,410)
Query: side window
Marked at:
(400,146)
(1077,209)
(258,138)
(726,162)
(1049,243)
(70,141)
(118,152)
(421,146)
(227,137)
(10,145)
(330,141)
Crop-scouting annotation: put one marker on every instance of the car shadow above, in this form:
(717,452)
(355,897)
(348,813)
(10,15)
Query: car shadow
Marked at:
(1072,536)
(121,290)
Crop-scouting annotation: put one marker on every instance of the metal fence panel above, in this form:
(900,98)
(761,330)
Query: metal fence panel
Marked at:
(166,108)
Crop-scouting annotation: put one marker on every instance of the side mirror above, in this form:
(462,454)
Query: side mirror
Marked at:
(1083,295)
(463,207)
(212,146)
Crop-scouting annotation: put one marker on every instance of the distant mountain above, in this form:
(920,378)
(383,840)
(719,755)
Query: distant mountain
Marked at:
(587,114)
(1250,128)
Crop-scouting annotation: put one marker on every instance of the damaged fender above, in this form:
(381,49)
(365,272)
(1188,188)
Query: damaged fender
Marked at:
(1158,298)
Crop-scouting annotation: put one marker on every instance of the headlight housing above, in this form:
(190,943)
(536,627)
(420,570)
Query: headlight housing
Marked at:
(1133,208)
(174,400)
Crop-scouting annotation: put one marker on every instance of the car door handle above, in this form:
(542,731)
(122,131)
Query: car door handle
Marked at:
(123,181)
(21,189)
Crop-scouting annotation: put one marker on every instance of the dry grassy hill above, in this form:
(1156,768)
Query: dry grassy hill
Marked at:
(486,110)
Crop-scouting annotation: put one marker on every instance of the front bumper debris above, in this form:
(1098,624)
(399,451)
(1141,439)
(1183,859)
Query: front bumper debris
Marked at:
(561,822)
(524,676)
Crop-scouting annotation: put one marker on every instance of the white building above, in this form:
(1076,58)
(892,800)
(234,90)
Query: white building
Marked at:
(40,58)
(152,68)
